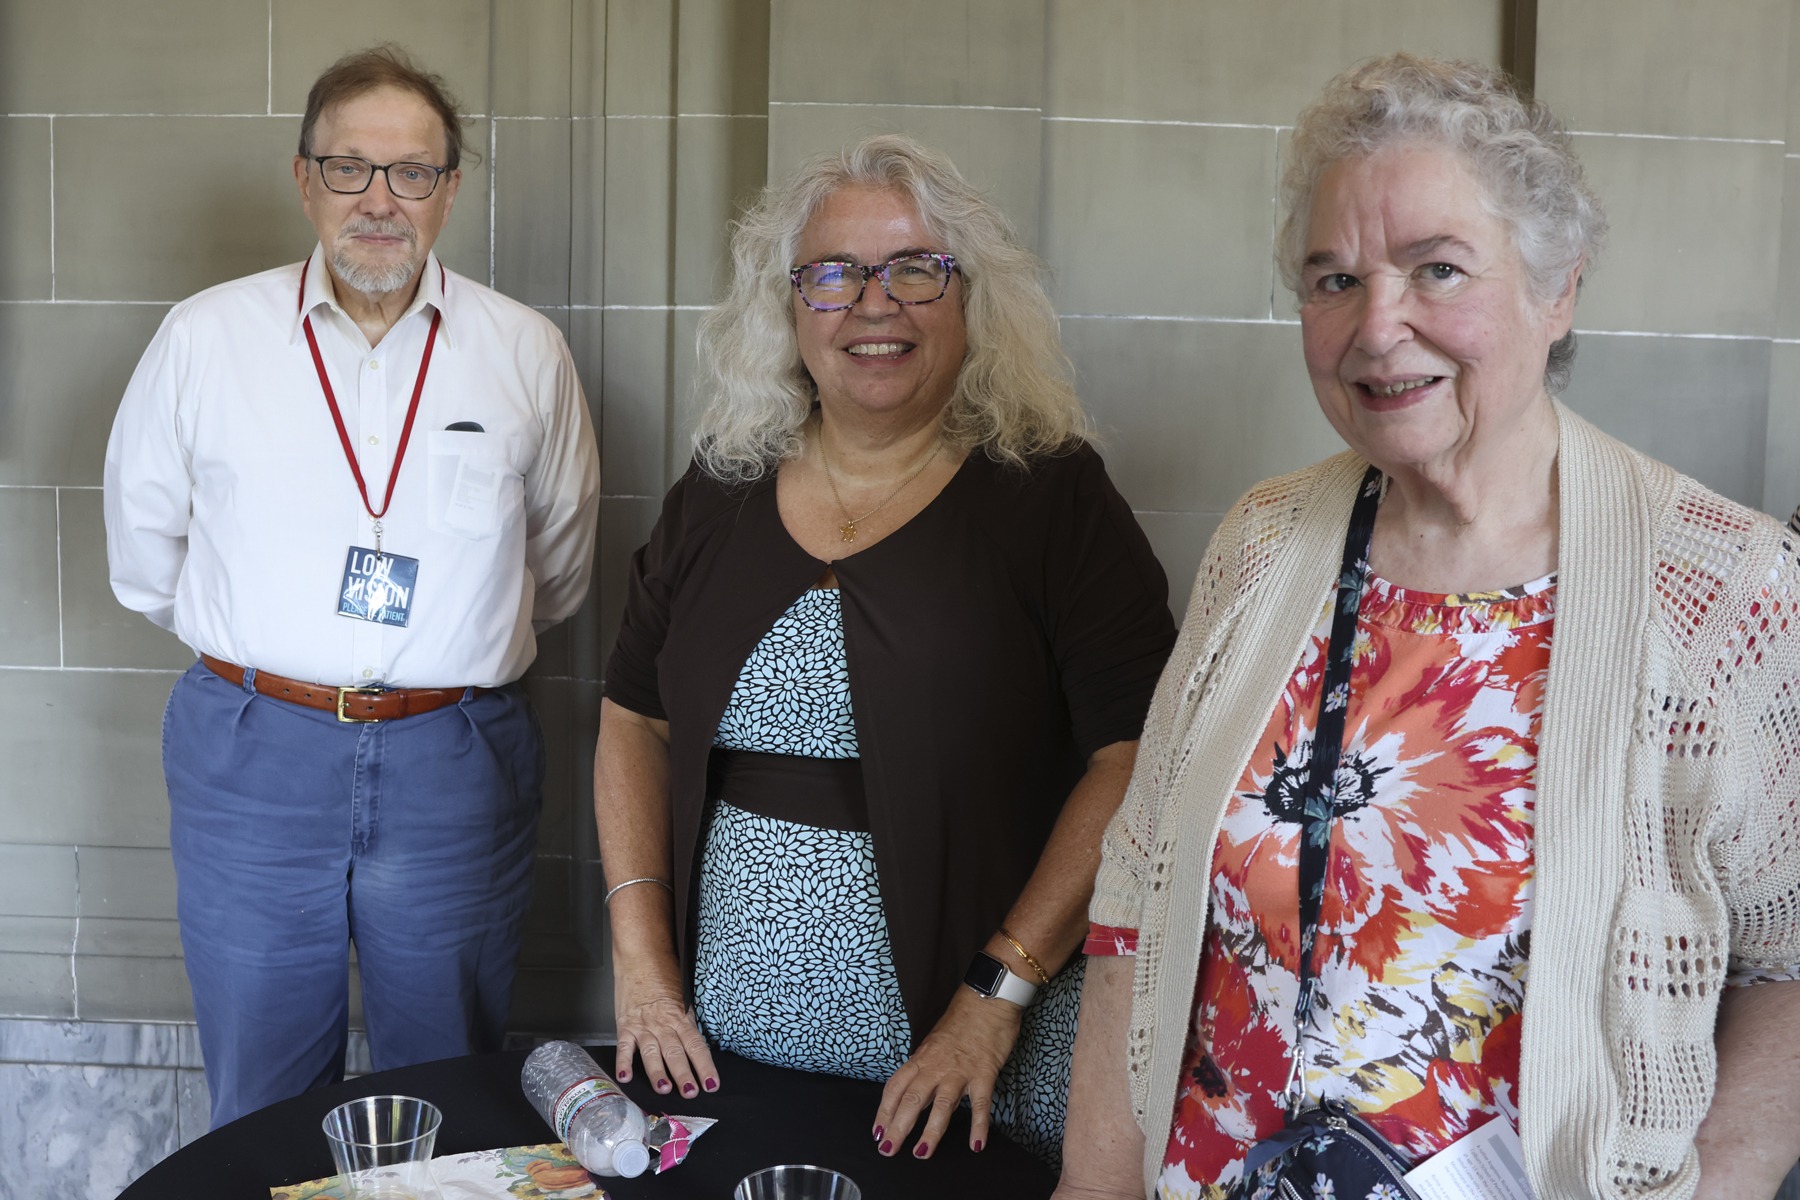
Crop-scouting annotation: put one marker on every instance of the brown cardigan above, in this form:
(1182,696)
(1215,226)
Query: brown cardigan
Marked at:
(1009,630)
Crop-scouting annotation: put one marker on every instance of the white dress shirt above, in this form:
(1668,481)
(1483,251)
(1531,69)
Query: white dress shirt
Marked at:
(230,506)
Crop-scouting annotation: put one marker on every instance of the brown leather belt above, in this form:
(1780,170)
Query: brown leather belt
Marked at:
(354,704)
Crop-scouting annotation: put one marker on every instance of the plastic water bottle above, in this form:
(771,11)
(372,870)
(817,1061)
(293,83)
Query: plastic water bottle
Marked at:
(599,1124)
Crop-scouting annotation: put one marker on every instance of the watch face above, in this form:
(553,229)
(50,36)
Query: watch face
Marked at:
(985,973)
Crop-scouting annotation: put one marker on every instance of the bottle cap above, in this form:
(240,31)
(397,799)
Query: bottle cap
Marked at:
(630,1159)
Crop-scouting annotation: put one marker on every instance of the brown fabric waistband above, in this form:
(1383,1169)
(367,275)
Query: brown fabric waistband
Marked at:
(826,793)
(354,705)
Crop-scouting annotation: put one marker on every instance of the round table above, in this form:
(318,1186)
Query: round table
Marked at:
(766,1116)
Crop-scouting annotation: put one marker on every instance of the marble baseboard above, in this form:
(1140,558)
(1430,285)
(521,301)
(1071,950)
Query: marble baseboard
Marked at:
(88,1106)
(83,1132)
(98,1043)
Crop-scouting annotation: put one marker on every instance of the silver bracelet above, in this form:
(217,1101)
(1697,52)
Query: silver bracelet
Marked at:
(618,887)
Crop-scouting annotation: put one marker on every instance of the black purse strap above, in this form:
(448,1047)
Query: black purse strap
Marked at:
(1319,804)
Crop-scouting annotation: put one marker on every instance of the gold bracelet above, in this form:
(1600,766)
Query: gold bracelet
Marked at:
(1026,955)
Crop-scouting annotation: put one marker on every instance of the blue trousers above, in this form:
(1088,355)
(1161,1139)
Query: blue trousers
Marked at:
(295,835)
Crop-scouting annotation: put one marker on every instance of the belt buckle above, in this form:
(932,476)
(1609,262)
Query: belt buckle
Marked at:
(356,691)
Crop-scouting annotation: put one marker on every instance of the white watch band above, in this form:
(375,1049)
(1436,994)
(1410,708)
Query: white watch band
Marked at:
(988,978)
(1015,988)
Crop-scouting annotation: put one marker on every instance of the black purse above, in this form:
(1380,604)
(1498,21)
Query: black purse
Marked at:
(1327,1152)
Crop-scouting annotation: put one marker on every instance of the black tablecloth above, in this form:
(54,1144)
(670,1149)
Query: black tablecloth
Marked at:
(766,1116)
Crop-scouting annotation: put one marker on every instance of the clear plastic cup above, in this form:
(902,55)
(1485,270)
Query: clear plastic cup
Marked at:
(382,1146)
(797,1183)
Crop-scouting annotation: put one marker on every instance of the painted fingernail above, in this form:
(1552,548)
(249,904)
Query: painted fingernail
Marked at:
(688,1089)
(662,1085)
(921,1150)
(878,1132)
(887,1147)
(624,1076)
(712,1085)
(978,1145)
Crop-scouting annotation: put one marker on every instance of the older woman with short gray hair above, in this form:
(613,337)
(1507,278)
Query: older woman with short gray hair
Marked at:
(1467,807)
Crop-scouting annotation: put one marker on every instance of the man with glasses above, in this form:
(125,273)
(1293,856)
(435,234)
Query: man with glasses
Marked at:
(359,486)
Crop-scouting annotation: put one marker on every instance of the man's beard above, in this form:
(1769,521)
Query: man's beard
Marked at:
(372,279)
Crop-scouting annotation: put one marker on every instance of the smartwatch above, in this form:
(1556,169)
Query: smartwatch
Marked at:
(989,978)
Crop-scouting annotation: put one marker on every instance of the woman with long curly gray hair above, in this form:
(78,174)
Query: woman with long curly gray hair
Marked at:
(1012,397)
(881,672)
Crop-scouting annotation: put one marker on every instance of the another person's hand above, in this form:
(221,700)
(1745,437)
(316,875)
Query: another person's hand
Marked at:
(656,1026)
(962,1056)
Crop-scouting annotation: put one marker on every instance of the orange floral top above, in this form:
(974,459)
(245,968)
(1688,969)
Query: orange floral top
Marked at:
(1424,929)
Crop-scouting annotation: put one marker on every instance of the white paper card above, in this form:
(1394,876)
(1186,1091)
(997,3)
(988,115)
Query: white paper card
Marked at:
(1488,1164)
(475,497)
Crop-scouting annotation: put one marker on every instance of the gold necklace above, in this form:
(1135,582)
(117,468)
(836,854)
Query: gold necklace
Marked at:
(847,531)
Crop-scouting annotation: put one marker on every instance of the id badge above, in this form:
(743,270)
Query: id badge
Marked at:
(377,586)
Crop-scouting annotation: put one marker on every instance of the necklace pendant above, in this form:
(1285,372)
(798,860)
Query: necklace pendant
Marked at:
(848,530)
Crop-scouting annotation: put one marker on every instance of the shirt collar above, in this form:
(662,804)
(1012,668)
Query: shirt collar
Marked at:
(319,291)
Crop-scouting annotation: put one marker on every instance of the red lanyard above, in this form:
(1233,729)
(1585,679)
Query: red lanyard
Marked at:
(412,409)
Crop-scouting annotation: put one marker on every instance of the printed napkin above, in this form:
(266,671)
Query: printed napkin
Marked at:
(547,1172)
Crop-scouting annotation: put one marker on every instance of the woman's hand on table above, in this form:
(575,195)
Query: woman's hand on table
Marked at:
(657,1027)
(962,1056)
(631,809)
(964,1052)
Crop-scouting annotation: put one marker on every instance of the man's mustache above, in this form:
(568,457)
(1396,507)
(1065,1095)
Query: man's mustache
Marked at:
(366,225)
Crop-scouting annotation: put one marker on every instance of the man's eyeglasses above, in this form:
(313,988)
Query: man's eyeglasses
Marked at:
(351,176)
(909,279)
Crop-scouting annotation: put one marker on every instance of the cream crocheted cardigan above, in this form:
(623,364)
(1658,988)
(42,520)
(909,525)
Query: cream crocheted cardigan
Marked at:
(1667,843)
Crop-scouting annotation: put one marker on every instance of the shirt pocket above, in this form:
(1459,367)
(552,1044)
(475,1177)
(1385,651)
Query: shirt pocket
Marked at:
(475,492)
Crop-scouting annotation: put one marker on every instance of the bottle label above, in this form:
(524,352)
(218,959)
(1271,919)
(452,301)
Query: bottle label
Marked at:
(578,1097)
